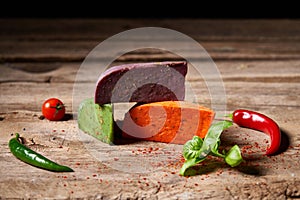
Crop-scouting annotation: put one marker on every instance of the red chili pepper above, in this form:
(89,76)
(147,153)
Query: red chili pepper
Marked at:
(260,122)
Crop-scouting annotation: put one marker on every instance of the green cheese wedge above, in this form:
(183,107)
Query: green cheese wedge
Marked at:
(96,120)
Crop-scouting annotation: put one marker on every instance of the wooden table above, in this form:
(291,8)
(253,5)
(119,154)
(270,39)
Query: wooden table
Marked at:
(259,62)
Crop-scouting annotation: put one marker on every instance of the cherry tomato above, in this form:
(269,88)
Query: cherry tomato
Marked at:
(53,109)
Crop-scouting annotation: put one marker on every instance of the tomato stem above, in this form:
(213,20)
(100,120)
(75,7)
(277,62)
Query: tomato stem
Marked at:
(57,108)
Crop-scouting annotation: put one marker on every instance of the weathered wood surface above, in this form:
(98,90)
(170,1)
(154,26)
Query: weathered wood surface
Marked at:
(260,66)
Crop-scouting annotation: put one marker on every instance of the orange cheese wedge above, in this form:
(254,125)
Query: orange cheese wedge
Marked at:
(167,121)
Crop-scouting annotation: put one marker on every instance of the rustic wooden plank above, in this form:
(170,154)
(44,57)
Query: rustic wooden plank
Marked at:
(99,29)
(34,39)
(245,71)
(76,51)
(39,72)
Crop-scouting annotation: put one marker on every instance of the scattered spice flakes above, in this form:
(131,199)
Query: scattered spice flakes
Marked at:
(219,172)
(149,150)
(255,150)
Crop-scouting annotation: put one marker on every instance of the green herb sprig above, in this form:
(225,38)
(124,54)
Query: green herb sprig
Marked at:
(197,150)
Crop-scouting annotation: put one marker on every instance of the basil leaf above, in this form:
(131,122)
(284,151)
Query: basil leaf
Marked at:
(210,142)
(213,135)
(189,163)
(215,150)
(234,157)
(191,148)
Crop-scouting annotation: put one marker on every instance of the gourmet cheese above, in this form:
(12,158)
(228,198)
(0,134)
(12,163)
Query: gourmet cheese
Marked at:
(167,121)
(142,82)
(96,120)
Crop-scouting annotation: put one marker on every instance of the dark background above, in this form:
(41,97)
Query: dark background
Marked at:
(149,9)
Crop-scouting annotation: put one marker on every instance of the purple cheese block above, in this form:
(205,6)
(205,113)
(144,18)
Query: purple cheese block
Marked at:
(142,82)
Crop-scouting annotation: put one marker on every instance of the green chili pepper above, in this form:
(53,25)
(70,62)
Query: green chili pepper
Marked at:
(33,158)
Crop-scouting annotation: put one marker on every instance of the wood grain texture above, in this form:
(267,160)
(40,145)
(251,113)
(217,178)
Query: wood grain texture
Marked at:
(259,64)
